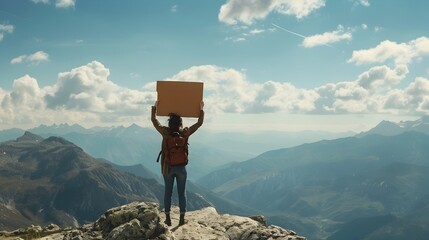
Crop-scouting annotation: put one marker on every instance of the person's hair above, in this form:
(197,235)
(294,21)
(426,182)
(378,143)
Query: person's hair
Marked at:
(174,122)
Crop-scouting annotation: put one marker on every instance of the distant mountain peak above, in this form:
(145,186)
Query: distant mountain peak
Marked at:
(388,123)
(58,140)
(424,119)
(134,126)
(62,128)
(28,136)
(388,128)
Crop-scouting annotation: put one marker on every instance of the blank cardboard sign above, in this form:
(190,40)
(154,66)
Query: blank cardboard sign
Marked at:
(183,98)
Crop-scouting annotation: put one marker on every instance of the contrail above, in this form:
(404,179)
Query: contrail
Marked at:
(296,34)
(284,29)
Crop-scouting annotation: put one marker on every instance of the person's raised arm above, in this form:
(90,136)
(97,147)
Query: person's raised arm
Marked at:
(200,121)
(155,121)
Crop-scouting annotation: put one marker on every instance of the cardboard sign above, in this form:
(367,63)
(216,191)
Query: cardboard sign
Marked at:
(183,98)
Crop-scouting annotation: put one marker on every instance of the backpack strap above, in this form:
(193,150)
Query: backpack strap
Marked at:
(159,156)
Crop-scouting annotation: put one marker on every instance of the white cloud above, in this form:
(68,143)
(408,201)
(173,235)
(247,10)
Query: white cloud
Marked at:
(245,33)
(363,3)
(381,77)
(284,97)
(58,3)
(419,88)
(24,103)
(247,11)
(41,1)
(377,29)
(135,76)
(5,28)
(37,57)
(256,31)
(19,59)
(85,94)
(413,99)
(87,88)
(65,3)
(396,99)
(236,39)
(34,58)
(400,53)
(227,90)
(327,38)
(174,8)
(341,97)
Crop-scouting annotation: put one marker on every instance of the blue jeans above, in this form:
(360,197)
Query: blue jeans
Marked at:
(178,172)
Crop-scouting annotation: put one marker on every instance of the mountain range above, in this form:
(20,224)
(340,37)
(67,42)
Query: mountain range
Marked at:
(388,128)
(329,187)
(54,181)
(132,145)
(368,186)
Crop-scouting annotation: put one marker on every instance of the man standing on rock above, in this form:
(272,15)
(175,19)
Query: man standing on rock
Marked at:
(174,158)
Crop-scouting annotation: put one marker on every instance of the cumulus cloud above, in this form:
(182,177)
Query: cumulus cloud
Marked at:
(247,11)
(327,38)
(382,77)
(227,90)
(413,99)
(87,88)
(5,28)
(371,92)
(34,58)
(25,99)
(85,94)
(400,53)
(282,97)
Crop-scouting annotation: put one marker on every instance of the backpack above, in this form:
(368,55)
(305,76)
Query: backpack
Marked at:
(176,148)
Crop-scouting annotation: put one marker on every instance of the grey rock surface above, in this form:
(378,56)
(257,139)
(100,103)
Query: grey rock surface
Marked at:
(143,220)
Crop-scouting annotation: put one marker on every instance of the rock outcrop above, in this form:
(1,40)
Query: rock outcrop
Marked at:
(143,220)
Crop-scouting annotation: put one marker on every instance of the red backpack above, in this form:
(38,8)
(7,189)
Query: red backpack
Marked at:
(176,150)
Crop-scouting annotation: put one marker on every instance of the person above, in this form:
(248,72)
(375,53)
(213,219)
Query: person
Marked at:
(170,173)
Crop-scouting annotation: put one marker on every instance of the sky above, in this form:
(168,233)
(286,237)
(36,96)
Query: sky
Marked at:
(328,65)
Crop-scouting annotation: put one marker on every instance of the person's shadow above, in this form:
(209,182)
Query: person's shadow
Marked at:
(177,227)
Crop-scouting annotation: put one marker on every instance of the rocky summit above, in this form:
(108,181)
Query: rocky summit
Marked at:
(143,220)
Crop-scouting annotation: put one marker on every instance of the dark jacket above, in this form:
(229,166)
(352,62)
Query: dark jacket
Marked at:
(165,132)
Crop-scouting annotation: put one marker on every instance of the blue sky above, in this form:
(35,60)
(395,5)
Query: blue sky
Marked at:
(266,64)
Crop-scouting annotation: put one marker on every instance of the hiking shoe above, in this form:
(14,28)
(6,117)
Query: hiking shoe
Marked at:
(168,221)
(181,221)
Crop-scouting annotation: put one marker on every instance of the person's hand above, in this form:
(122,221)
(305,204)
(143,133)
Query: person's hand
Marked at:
(154,107)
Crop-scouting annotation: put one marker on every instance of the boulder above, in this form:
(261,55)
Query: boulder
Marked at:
(143,220)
